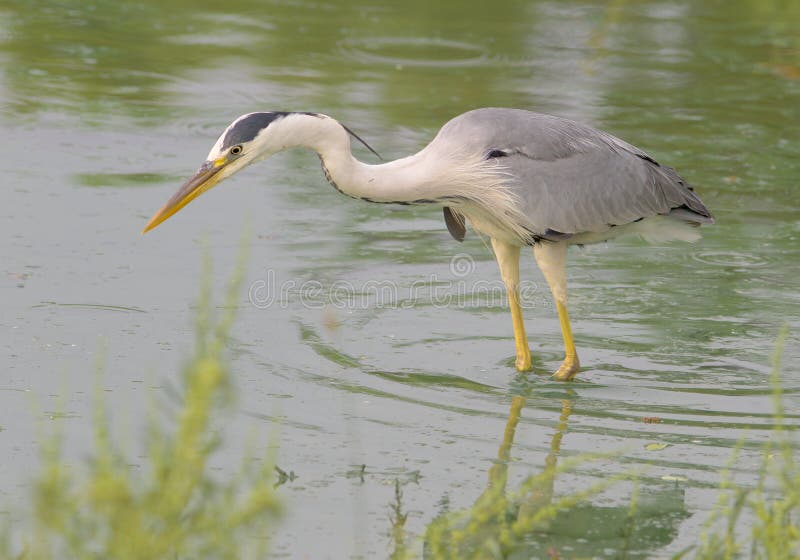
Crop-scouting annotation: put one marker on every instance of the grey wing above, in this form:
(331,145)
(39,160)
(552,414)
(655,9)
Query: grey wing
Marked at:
(571,178)
(599,188)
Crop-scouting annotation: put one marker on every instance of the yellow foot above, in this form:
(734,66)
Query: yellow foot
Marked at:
(523,362)
(568,369)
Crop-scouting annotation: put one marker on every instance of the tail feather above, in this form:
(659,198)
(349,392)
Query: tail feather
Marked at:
(690,215)
(692,210)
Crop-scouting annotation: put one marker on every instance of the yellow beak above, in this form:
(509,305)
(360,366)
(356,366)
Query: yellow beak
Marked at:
(205,178)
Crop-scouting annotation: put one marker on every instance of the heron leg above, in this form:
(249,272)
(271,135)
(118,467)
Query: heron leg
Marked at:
(552,260)
(508,259)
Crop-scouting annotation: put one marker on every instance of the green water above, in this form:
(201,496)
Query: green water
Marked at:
(105,107)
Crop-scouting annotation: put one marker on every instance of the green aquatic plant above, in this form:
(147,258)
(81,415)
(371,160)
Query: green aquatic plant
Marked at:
(500,523)
(774,503)
(398,520)
(758,523)
(175,509)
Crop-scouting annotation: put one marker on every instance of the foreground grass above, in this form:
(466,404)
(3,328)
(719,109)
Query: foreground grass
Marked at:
(757,523)
(503,523)
(176,509)
(773,505)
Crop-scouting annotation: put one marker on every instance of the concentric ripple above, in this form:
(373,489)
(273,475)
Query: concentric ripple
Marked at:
(413,51)
(730,259)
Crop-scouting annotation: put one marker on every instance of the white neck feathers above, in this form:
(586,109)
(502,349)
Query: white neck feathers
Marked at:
(439,174)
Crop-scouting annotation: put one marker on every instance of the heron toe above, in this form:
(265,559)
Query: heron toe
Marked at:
(523,362)
(568,369)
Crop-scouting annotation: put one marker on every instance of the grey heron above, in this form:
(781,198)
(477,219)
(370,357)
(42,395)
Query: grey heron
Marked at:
(519,177)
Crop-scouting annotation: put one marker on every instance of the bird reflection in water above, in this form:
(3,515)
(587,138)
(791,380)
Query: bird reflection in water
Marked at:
(533,522)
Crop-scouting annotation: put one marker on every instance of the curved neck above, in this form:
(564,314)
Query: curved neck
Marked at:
(414,179)
(445,172)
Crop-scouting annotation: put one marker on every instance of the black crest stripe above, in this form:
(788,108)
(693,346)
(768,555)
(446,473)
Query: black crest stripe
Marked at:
(249,127)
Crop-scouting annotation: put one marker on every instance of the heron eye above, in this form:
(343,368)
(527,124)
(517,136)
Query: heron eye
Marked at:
(236,150)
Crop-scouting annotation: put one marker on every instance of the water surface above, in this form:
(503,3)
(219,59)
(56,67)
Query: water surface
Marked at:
(105,107)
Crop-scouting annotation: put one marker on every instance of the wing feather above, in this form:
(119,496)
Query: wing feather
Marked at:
(572,178)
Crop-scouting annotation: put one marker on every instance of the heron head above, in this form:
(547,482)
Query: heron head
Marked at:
(247,139)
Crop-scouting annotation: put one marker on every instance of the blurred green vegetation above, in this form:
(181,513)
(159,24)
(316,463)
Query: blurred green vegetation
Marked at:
(773,506)
(533,522)
(177,508)
(712,80)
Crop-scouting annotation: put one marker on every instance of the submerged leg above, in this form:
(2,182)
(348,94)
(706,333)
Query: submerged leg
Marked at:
(552,260)
(508,258)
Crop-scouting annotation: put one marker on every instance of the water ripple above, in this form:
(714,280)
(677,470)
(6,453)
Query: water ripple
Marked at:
(413,51)
(730,259)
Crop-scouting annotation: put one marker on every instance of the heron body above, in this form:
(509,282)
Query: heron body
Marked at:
(521,178)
